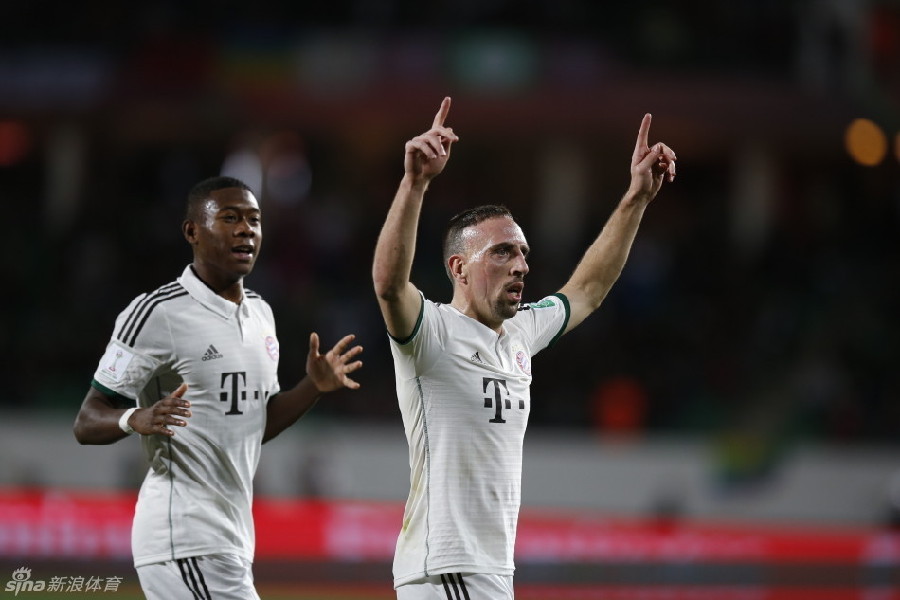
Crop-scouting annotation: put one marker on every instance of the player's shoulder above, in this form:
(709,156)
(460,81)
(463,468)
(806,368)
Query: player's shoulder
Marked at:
(257,303)
(442,312)
(253,296)
(145,307)
(547,310)
(163,293)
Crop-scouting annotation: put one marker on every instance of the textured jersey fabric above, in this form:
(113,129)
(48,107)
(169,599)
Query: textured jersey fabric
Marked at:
(464,396)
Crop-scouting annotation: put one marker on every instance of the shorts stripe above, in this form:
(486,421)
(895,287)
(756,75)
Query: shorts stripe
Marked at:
(200,576)
(184,576)
(187,574)
(457,587)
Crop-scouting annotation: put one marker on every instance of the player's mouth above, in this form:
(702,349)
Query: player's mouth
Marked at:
(514,291)
(244,252)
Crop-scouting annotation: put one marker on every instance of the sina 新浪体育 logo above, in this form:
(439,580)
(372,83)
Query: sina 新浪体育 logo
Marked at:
(21,582)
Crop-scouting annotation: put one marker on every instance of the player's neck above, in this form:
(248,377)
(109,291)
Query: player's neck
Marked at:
(468,309)
(233,291)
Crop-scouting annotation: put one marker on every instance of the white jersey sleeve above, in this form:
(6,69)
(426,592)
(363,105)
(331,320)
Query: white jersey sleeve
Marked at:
(132,360)
(419,352)
(543,322)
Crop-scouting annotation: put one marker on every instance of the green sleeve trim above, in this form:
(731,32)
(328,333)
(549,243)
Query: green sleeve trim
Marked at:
(415,330)
(562,330)
(119,398)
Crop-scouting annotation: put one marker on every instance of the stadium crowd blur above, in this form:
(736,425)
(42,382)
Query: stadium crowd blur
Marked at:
(760,295)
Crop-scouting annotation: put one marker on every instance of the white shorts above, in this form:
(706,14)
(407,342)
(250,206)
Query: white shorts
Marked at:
(211,577)
(458,586)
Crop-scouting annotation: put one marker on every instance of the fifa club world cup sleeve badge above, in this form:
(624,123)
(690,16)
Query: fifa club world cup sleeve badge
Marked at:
(115,362)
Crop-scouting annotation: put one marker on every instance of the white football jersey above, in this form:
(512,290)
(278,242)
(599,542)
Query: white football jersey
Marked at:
(464,397)
(196,498)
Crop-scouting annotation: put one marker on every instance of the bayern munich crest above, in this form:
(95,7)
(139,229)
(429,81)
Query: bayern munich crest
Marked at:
(524,362)
(272,347)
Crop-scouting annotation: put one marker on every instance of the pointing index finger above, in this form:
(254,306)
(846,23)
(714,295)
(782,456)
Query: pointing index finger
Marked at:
(643,135)
(442,113)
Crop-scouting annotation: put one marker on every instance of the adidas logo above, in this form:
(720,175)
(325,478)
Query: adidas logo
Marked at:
(476,358)
(211,353)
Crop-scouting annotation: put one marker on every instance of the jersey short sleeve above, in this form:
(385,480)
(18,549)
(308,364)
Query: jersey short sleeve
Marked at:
(543,322)
(140,345)
(427,341)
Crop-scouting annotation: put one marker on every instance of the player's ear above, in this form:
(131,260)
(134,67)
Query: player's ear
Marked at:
(456,263)
(189,229)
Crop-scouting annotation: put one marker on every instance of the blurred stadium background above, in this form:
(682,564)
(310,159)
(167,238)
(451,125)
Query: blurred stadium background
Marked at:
(726,426)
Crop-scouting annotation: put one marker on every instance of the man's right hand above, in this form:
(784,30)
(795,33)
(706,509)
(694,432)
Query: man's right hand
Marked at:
(427,154)
(162,415)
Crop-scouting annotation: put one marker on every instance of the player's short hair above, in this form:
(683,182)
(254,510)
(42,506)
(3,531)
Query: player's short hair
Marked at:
(453,238)
(200,192)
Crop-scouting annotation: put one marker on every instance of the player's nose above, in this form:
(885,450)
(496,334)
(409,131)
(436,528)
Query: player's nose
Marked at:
(245,229)
(520,266)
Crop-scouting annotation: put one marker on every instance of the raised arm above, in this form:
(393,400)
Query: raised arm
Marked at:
(601,265)
(426,156)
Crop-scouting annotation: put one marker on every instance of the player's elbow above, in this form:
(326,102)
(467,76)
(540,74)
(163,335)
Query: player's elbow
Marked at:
(84,433)
(386,288)
(80,431)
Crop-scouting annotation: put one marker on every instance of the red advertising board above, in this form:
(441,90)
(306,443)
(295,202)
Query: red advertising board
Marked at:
(53,523)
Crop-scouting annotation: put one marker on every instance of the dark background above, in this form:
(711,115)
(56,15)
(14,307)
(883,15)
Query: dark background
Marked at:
(760,299)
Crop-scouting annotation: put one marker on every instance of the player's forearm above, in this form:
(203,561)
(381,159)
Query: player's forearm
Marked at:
(98,426)
(604,260)
(395,249)
(287,407)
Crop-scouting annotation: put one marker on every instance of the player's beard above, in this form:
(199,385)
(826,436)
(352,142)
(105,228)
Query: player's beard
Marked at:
(504,310)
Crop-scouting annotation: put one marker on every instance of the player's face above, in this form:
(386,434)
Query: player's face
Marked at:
(495,269)
(226,236)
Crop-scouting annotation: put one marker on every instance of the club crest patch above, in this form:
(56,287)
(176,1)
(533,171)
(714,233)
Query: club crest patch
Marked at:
(272,347)
(524,362)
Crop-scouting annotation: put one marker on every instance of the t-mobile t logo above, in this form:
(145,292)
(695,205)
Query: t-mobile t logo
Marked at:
(500,399)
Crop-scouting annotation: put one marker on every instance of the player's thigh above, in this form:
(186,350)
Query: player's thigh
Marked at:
(218,576)
(459,586)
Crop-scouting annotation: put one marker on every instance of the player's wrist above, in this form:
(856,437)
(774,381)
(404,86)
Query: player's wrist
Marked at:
(417,182)
(636,198)
(124,425)
(316,386)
